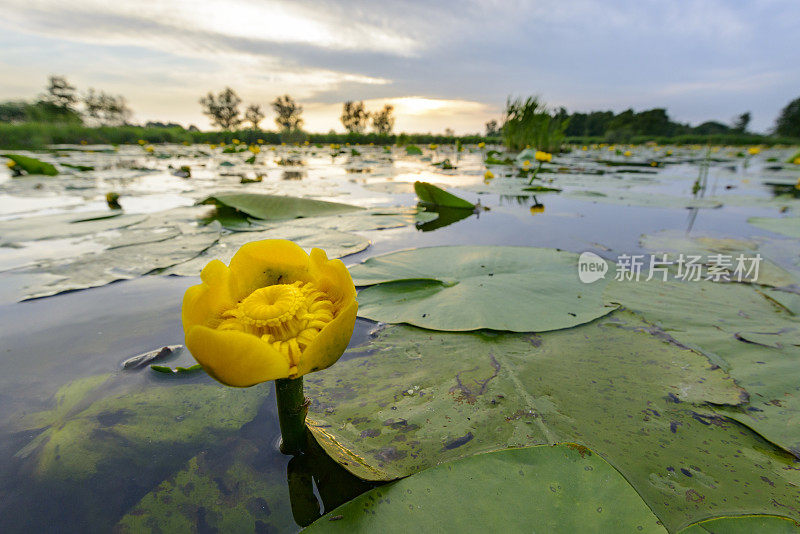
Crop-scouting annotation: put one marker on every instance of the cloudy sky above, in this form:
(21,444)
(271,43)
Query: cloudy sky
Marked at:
(442,64)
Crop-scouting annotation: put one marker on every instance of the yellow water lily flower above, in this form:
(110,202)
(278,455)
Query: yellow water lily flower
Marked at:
(585,148)
(433,147)
(150,149)
(543,156)
(488,175)
(254,149)
(627,153)
(753,150)
(481,145)
(212,147)
(10,163)
(142,142)
(275,312)
(796,160)
(260,141)
(235,141)
(797,185)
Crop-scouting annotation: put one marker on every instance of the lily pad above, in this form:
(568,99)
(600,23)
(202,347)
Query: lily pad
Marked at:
(744,524)
(64,225)
(788,226)
(273,207)
(563,488)
(618,385)
(436,196)
(520,289)
(726,322)
(32,165)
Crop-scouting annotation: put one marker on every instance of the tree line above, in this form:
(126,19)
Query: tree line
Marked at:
(630,124)
(223,109)
(62,103)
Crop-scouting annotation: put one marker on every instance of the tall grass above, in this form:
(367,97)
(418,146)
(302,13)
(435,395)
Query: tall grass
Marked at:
(529,123)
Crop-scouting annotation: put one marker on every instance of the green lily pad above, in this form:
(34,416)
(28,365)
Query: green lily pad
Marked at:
(564,488)
(727,323)
(436,196)
(273,207)
(676,242)
(744,524)
(788,226)
(32,165)
(646,199)
(618,385)
(65,225)
(520,289)
(412,150)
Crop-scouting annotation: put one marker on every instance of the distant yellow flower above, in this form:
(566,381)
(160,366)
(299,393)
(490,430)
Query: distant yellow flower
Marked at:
(481,145)
(796,160)
(149,149)
(627,153)
(306,143)
(254,149)
(212,147)
(543,156)
(10,163)
(275,312)
(186,143)
(142,142)
(526,164)
(669,152)
(235,141)
(433,147)
(260,141)
(797,185)
(585,148)
(753,150)
(488,175)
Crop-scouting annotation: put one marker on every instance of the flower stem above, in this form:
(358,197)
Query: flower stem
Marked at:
(292,410)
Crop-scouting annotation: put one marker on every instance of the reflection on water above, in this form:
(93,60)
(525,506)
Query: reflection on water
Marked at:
(293,175)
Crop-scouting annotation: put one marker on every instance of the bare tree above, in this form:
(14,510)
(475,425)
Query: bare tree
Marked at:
(106,109)
(253,114)
(223,109)
(383,120)
(287,113)
(491,128)
(355,117)
(60,93)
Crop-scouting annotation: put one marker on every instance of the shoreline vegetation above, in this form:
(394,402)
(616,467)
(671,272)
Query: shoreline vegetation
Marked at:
(40,135)
(63,116)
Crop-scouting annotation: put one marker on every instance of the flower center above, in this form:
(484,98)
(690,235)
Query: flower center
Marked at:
(287,316)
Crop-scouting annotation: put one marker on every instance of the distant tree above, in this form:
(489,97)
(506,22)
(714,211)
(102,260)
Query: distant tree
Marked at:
(287,113)
(741,122)
(355,117)
(13,111)
(106,109)
(491,129)
(449,132)
(711,128)
(60,93)
(383,120)
(159,124)
(222,109)
(253,114)
(788,122)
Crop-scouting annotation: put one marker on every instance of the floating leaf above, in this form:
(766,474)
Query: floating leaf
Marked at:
(712,318)
(32,165)
(273,207)
(618,385)
(412,150)
(563,488)
(788,226)
(436,196)
(521,289)
(744,524)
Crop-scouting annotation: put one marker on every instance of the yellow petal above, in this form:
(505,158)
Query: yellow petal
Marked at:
(331,342)
(265,263)
(235,358)
(332,277)
(203,303)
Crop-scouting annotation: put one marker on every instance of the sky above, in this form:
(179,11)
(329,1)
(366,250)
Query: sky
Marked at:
(441,64)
